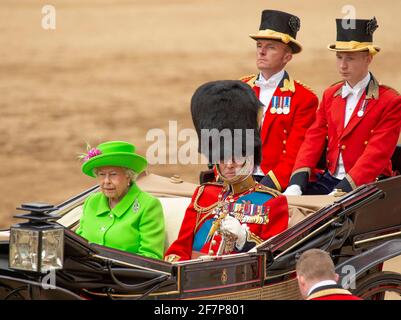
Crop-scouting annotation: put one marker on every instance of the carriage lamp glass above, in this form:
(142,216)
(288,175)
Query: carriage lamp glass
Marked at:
(23,253)
(38,250)
(37,245)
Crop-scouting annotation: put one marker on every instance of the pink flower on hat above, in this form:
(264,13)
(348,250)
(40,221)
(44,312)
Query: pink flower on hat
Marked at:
(92,153)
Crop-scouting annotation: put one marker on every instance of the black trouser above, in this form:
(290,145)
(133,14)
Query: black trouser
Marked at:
(324,184)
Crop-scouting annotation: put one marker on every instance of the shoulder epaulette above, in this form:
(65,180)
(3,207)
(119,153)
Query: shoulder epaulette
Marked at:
(306,87)
(388,87)
(262,188)
(247,78)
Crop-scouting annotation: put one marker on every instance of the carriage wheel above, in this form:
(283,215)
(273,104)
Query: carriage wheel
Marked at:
(377,285)
(8,293)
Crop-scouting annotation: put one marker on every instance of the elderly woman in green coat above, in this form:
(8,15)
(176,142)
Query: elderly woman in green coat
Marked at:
(121,216)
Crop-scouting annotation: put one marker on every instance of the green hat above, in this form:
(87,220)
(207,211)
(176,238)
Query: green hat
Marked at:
(115,154)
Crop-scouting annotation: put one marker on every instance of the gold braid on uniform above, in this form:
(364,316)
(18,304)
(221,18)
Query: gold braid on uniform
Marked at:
(199,210)
(306,87)
(251,237)
(262,188)
(197,207)
(247,78)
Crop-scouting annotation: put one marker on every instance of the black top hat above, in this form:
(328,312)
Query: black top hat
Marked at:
(355,35)
(279,25)
(230,105)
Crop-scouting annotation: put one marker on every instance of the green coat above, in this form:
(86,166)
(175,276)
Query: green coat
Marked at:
(135,224)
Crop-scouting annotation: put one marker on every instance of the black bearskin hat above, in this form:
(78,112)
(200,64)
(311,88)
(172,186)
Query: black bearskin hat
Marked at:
(226,107)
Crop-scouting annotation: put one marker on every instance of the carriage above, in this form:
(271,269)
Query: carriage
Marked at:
(361,230)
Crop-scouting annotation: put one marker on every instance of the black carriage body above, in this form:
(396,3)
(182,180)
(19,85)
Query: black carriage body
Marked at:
(362,228)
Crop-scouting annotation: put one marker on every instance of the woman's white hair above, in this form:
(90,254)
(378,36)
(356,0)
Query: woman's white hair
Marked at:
(130,173)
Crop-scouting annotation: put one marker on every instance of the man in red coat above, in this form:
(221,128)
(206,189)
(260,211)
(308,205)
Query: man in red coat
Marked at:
(237,214)
(317,279)
(358,121)
(289,106)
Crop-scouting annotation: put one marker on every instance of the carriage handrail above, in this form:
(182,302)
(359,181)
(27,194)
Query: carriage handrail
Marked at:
(368,259)
(360,197)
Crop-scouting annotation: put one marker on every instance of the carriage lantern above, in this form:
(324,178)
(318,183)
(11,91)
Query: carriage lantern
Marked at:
(36,245)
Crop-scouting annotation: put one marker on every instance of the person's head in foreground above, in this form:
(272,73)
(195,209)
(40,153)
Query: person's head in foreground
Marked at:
(313,267)
(317,278)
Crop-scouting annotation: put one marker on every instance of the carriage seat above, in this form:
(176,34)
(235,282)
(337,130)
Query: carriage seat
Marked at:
(173,209)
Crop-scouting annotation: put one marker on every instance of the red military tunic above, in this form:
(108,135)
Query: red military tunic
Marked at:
(199,216)
(332,293)
(282,134)
(366,143)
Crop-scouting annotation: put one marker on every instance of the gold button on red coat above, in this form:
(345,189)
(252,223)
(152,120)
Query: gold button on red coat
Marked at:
(343,147)
(366,142)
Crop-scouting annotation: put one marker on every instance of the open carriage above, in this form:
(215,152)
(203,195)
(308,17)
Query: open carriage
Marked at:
(361,230)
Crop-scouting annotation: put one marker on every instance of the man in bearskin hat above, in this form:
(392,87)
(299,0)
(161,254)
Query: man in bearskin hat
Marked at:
(358,119)
(238,213)
(289,106)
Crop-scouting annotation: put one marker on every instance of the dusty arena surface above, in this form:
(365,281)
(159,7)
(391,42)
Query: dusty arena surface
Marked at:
(115,69)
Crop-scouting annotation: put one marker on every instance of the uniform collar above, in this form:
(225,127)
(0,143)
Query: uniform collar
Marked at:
(287,83)
(359,86)
(371,85)
(242,186)
(277,77)
(323,283)
(122,206)
(372,91)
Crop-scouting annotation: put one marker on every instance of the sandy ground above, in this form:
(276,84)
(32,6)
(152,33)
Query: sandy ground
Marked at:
(113,70)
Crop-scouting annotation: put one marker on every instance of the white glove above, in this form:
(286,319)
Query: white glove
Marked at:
(231,225)
(293,190)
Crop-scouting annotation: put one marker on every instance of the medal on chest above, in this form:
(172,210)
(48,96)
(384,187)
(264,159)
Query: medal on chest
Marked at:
(286,105)
(280,105)
(362,108)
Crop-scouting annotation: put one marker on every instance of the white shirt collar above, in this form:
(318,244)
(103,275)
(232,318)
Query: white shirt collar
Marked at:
(272,82)
(275,77)
(321,284)
(356,90)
